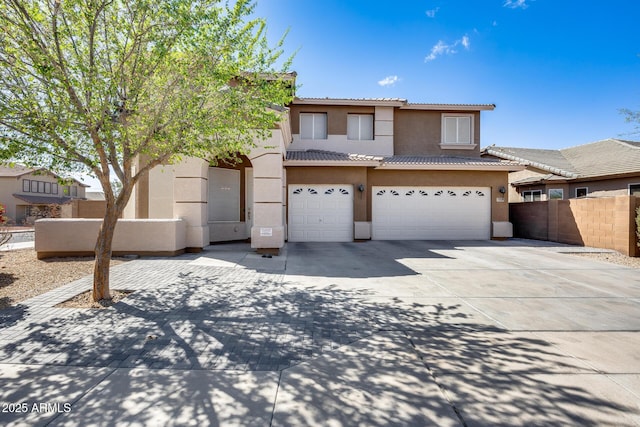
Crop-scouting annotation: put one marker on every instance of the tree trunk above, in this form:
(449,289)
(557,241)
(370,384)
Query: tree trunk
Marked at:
(103,256)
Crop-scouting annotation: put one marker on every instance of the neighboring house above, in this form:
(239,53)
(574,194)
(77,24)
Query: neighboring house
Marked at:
(604,168)
(340,170)
(27,193)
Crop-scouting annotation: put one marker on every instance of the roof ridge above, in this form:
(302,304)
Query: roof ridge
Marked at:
(546,167)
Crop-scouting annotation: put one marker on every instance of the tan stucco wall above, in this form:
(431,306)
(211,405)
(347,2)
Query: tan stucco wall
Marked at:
(8,186)
(606,187)
(56,237)
(418,132)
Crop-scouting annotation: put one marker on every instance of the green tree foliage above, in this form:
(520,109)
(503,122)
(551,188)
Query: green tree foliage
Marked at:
(120,86)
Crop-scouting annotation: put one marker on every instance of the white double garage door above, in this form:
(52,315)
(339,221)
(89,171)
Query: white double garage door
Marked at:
(324,213)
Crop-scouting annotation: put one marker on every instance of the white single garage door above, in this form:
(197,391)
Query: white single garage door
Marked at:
(320,213)
(431,213)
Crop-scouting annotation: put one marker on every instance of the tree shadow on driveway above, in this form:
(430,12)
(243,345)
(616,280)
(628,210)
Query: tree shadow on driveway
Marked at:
(215,346)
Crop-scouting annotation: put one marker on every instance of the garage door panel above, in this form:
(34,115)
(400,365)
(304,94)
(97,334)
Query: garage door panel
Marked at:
(431,213)
(326,212)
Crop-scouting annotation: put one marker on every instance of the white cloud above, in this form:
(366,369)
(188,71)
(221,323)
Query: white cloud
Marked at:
(515,4)
(432,13)
(388,81)
(442,48)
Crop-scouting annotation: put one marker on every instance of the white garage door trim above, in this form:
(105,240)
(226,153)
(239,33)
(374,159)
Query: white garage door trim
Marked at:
(431,213)
(320,213)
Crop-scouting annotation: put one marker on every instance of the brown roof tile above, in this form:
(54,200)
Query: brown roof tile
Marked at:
(600,158)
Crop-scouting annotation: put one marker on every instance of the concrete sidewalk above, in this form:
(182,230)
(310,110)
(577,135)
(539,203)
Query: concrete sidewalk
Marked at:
(373,333)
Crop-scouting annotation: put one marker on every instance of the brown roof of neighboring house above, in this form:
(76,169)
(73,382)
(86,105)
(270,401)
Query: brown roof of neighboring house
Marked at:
(43,200)
(17,171)
(600,158)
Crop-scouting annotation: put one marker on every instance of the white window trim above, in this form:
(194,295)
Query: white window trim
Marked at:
(313,124)
(26,183)
(531,191)
(582,188)
(629,187)
(359,116)
(555,189)
(458,145)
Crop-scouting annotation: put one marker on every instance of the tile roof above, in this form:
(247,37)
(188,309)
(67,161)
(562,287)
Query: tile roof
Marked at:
(600,158)
(392,102)
(445,160)
(547,160)
(14,171)
(43,200)
(17,171)
(332,156)
(607,157)
(319,156)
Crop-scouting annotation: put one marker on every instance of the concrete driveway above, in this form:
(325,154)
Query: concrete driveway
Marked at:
(373,333)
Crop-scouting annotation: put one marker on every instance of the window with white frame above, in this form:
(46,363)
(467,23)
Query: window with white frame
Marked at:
(532,195)
(556,194)
(634,190)
(26,185)
(457,129)
(360,127)
(313,125)
(582,191)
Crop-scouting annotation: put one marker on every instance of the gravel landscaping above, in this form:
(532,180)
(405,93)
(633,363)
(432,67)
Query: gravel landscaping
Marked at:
(23,275)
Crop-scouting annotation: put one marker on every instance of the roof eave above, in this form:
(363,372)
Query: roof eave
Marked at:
(358,163)
(442,167)
(525,162)
(349,102)
(449,107)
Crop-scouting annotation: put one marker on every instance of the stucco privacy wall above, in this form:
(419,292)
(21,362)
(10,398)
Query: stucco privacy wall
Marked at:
(606,222)
(65,237)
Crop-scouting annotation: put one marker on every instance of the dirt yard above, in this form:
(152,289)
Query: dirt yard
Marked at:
(23,275)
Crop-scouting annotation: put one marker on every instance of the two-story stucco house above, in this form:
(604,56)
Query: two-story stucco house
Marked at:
(340,170)
(23,191)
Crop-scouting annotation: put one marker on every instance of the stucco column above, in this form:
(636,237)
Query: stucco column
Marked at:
(190,200)
(268,230)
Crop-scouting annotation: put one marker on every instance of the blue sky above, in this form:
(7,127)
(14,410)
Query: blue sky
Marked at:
(558,71)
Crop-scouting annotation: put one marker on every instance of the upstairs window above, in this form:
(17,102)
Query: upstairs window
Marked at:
(313,126)
(582,191)
(360,127)
(457,129)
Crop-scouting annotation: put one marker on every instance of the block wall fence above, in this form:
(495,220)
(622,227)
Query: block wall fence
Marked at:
(607,222)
